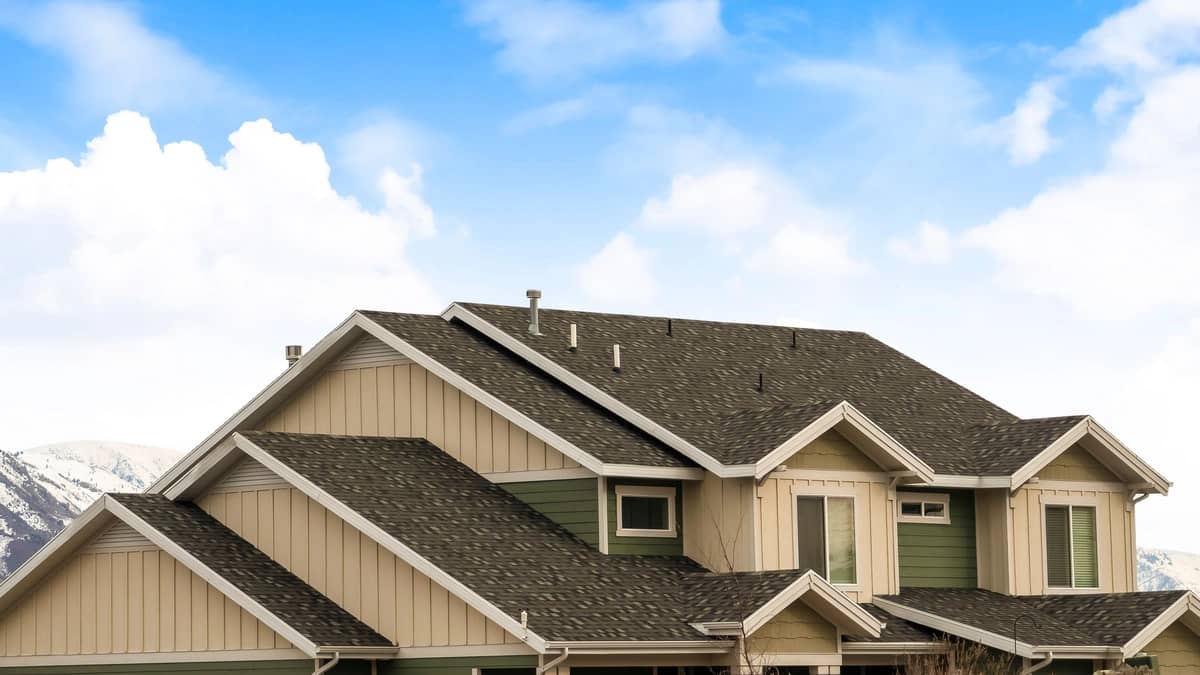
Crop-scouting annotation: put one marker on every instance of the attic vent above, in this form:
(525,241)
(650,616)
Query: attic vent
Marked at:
(292,353)
(120,537)
(369,351)
(248,474)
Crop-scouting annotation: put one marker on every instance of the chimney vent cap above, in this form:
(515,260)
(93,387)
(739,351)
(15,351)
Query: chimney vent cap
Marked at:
(533,293)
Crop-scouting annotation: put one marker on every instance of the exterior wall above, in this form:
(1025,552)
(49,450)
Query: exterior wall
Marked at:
(620,545)
(1177,649)
(718,522)
(935,555)
(574,504)
(349,568)
(991,540)
(404,399)
(1077,464)
(831,452)
(123,595)
(795,630)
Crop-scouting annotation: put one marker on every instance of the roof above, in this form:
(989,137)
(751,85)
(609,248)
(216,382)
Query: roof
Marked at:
(702,379)
(733,597)
(1001,449)
(895,629)
(239,562)
(586,425)
(1092,620)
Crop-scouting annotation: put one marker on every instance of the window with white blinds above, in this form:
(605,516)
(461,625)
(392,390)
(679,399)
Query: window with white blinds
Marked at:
(1072,558)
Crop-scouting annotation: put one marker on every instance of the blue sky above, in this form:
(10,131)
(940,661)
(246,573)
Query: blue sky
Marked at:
(1006,191)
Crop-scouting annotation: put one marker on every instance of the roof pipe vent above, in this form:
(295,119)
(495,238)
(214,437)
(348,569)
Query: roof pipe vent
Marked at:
(574,344)
(534,295)
(292,353)
(670,332)
(616,358)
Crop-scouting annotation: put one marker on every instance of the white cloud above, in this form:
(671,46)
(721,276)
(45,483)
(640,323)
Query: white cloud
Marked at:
(725,201)
(115,60)
(931,244)
(621,272)
(1025,130)
(593,101)
(796,251)
(1125,239)
(383,141)
(1148,37)
(564,38)
(161,228)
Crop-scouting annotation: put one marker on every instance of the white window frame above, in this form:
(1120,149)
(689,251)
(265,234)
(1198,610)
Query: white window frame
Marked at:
(861,533)
(1101,543)
(658,491)
(923,498)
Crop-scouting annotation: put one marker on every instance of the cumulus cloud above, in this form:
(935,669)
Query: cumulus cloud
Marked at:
(1147,37)
(565,38)
(1024,132)
(725,201)
(1123,240)
(797,251)
(115,60)
(931,244)
(622,272)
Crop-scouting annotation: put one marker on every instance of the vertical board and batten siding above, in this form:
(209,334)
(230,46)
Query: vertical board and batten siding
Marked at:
(369,394)
(120,594)
(1177,649)
(937,555)
(718,517)
(621,545)
(874,508)
(573,504)
(345,565)
(993,563)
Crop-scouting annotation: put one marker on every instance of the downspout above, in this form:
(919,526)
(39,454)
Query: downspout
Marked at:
(1039,665)
(318,669)
(553,664)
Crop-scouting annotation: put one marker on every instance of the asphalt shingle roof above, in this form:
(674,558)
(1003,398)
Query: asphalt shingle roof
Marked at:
(732,597)
(895,629)
(701,378)
(1104,619)
(495,544)
(530,391)
(236,560)
(1003,448)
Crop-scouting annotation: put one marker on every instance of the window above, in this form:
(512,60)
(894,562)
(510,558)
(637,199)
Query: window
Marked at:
(825,537)
(1072,560)
(918,507)
(645,511)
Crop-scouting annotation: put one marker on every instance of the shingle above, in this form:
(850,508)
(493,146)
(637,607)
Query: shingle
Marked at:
(1003,448)
(1111,618)
(531,392)
(492,542)
(711,597)
(895,629)
(282,593)
(697,381)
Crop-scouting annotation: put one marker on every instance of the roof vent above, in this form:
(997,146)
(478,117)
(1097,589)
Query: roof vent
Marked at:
(669,331)
(574,344)
(292,353)
(533,294)
(616,358)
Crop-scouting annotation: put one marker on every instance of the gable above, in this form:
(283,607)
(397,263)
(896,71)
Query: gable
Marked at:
(1077,464)
(1177,649)
(368,351)
(345,565)
(798,629)
(119,593)
(831,451)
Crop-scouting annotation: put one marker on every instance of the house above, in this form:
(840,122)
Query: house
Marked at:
(510,490)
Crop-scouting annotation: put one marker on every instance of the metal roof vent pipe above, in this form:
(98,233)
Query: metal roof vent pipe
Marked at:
(292,353)
(617,359)
(534,295)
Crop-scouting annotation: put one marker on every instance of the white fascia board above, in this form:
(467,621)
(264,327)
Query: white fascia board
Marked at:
(582,386)
(870,431)
(974,482)
(644,647)
(849,614)
(86,524)
(329,345)
(397,547)
(932,647)
(211,465)
(663,472)
(1088,427)
(215,580)
(1188,604)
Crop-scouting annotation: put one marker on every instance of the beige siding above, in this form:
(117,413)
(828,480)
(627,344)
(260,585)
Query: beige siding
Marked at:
(1177,649)
(1077,464)
(874,525)
(991,539)
(795,630)
(114,599)
(404,399)
(333,557)
(831,452)
(718,522)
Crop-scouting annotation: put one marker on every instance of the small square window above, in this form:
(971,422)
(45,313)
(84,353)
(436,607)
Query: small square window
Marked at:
(645,511)
(921,507)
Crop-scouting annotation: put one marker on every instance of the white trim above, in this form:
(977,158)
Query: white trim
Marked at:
(660,472)
(464,650)
(849,648)
(858,621)
(153,657)
(787,473)
(546,474)
(923,498)
(602,506)
(973,482)
(862,540)
(654,492)
(647,647)
(1187,605)
(1089,429)
(400,549)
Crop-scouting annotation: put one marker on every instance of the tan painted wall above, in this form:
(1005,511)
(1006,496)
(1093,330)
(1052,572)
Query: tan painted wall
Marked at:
(795,630)
(333,557)
(831,451)
(991,539)
(1177,649)
(113,599)
(1077,464)
(718,523)
(407,400)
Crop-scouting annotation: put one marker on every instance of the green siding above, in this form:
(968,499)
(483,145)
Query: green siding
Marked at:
(940,556)
(454,666)
(644,545)
(574,504)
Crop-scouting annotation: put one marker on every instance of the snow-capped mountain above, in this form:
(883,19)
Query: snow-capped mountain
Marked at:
(42,489)
(1164,570)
